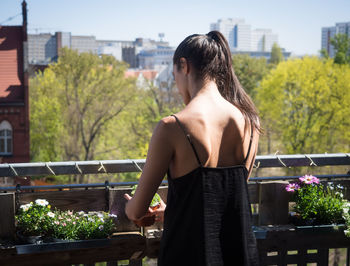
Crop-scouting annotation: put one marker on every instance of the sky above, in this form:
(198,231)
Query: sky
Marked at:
(297,23)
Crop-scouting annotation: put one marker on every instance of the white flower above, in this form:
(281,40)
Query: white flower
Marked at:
(90,219)
(100,215)
(101,219)
(26,207)
(100,227)
(51,214)
(42,202)
(112,215)
(81,213)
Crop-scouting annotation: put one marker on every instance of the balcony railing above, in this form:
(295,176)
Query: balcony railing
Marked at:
(279,242)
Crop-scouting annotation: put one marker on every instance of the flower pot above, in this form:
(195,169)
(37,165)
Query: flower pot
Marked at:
(326,228)
(29,239)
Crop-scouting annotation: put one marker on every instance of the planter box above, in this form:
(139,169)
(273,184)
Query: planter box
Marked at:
(316,229)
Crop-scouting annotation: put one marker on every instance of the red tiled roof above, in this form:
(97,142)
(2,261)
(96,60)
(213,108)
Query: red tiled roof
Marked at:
(11,64)
(147,74)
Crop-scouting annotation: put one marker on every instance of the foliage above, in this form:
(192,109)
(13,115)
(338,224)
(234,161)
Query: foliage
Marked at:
(83,108)
(249,71)
(346,216)
(34,218)
(305,104)
(81,225)
(72,104)
(150,105)
(317,203)
(276,54)
(38,219)
(341,44)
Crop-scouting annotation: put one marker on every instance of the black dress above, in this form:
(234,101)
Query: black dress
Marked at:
(208,217)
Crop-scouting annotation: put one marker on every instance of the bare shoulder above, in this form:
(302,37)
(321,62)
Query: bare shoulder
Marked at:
(165,127)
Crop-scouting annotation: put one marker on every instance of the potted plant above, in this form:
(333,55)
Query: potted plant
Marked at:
(37,222)
(315,203)
(33,221)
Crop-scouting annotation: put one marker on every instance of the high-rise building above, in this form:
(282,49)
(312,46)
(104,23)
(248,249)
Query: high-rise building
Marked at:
(263,40)
(242,38)
(329,32)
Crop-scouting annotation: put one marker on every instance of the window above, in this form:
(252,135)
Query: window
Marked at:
(5,138)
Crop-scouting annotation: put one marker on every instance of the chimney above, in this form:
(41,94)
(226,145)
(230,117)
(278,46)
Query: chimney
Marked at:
(24,15)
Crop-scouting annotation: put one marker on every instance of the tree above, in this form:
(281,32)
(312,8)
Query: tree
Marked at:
(249,70)
(276,54)
(74,102)
(341,44)
(324,53)
(306,103)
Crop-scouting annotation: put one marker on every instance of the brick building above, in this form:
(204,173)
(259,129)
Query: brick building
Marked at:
(14,105)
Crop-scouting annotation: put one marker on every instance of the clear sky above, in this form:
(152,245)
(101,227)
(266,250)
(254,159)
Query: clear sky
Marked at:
(298,23)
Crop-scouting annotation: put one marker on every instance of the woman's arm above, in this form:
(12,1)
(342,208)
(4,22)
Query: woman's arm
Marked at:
(160,153)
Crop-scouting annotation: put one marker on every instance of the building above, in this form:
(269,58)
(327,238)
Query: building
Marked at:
(141,53)
(242,38)
(262,40)
(156,57)
(267,55)
(44,48)
(329,32)
(14,104)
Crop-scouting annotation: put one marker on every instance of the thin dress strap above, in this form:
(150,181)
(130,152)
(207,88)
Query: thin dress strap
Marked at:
(189,139)
(250,145)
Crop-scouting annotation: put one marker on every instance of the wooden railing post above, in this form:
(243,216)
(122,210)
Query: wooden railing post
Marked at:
(273,203)
(7,217)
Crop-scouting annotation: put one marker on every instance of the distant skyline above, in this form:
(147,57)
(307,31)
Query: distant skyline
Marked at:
(297,23)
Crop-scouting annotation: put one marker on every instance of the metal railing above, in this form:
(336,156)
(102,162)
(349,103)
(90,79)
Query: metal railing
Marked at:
(136,165)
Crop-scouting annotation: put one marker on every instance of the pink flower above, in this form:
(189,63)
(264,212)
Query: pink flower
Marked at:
(64,224)
(309,179)
(57,222)
(292,187)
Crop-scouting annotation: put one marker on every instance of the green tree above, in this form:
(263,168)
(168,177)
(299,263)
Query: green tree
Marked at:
(73,104)
(341,44)
(249,70)
(276,54)
(305,103)
(324,53)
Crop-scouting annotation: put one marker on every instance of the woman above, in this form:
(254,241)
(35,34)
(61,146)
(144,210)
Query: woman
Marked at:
(208,150)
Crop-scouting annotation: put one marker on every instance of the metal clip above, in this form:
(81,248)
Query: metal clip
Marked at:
(77,166)
(257,166)
(13,169)
(279,159)
(312,163)
(102,167)
(137,166)
(48,167)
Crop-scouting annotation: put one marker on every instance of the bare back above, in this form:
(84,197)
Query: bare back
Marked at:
(219,133)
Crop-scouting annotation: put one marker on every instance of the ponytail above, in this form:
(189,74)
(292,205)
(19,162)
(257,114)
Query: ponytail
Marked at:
(211,58)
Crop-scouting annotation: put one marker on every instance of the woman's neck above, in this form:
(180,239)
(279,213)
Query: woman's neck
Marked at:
(203,88)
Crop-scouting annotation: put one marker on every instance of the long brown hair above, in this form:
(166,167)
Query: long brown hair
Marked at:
(210,57)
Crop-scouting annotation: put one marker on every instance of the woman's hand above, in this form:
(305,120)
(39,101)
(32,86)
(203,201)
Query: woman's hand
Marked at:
(159,211)
(154,214)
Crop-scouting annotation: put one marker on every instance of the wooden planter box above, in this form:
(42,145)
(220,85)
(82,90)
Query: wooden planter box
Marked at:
(278,242)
